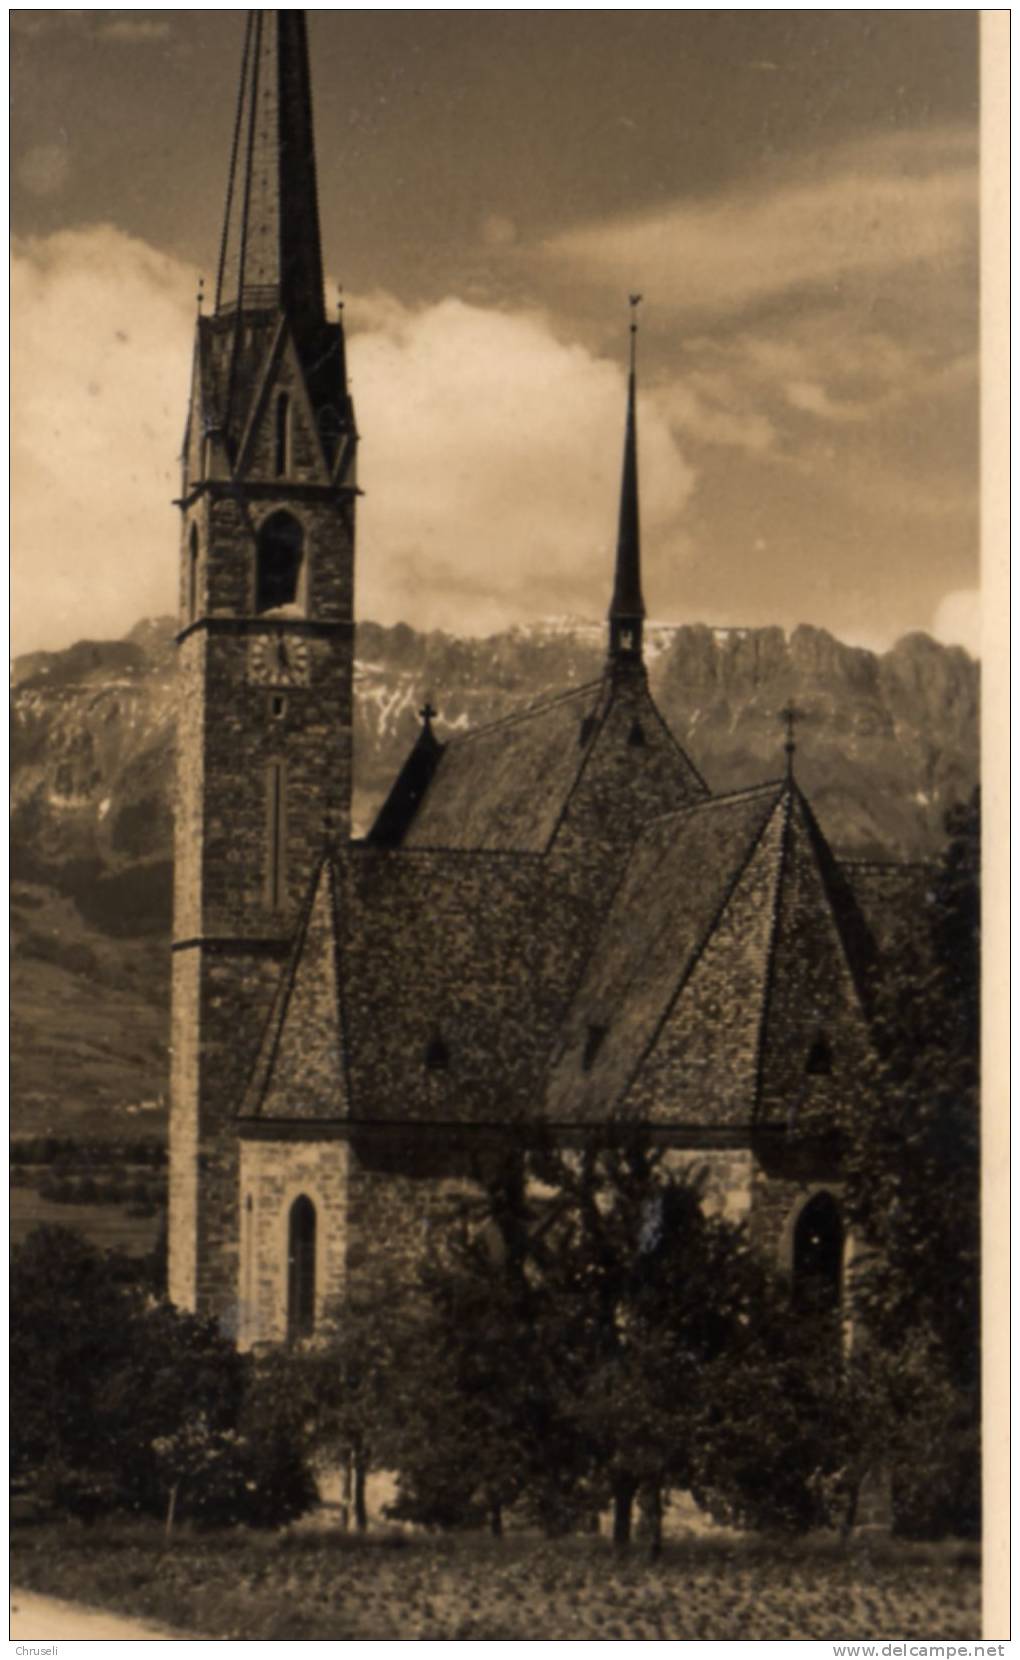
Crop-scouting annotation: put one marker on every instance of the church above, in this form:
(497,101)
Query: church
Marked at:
(553,919)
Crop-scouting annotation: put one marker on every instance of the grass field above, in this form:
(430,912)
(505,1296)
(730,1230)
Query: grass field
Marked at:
(108,1226)
(315,1585)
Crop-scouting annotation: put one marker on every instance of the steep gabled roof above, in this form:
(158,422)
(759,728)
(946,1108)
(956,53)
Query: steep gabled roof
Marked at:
(422,987)
(678,882)
(732,956)
(601,753)
(503,786)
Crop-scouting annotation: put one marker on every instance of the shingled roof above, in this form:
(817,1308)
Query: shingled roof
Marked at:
(730,958)
(725,985)
(508,786)
(421,987)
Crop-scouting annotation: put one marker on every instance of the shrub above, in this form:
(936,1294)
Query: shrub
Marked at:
(118,1402)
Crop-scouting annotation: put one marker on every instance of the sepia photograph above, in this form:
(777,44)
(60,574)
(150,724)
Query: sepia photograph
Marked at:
(496,1000)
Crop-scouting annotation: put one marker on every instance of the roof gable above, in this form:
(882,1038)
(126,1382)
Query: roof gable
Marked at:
(282,374)
(595,763)
(702,1065)
(678,882)
(503,787)
(302,1068)
(815,1041)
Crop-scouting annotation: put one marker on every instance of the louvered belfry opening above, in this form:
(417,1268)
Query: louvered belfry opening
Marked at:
(279,553)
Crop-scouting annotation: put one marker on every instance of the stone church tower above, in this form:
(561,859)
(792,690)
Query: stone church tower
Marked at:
(553,924)
(265,640)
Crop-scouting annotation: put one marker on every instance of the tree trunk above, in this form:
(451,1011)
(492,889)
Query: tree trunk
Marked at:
(171,1507)
(623,1511)
(652,1508)
(346,1492)
(496,1521)
(852,1503)
(360,1508)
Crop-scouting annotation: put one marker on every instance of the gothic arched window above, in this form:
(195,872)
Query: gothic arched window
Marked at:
(818,1254)
(281,436)
(193,574)
(301,1269)
(278,562)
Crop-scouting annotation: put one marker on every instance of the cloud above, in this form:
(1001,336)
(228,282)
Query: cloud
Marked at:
(491,466)
(958,620)
(906,201)
(708,408)
(491,456)
(100,363)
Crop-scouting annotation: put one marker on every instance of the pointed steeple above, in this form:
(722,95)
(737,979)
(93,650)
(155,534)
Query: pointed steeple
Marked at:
(270,395)
(627,610)
(270,255)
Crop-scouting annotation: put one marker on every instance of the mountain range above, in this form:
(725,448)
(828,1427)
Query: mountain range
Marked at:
(885,744)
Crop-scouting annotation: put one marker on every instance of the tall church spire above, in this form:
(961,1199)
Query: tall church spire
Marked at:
(627,610)
(270,255)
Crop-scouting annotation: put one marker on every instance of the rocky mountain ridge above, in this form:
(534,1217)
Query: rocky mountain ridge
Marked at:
(885,744)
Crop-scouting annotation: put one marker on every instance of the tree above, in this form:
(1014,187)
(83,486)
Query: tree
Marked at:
(470,1436)
(913,1190)
(72,1314)
(572,1318)
(644,1291)
(120,1402)
(341,1396)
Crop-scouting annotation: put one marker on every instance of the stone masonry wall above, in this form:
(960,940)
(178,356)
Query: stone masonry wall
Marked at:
(182,1230)
(272,1175)
(780,1187)
(221,1000)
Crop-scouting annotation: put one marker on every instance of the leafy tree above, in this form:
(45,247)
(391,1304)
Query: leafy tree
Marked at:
(72,1315)
(913,1166)
(469,1438)
(647,1291)
(120,1402)
(568,1340)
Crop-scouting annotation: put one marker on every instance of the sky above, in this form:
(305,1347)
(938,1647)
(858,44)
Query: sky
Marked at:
(794,193)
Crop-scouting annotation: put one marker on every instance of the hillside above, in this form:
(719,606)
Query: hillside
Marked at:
(885,744)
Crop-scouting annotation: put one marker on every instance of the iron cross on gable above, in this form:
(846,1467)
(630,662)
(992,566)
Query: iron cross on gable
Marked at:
(427,713)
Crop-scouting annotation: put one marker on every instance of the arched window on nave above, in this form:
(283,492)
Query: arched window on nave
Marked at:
(818,1241)
(301,1231)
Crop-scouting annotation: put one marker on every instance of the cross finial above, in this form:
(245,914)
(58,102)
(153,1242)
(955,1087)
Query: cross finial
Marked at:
(790,715)
(428,714)
(340,299)
(200,296)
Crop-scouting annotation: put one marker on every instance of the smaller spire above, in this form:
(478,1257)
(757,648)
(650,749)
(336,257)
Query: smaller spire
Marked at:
(627,609)
(790,715)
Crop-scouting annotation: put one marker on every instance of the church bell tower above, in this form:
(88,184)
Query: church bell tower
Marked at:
(265,639)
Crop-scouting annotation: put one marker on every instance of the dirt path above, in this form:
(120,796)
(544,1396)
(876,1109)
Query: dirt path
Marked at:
(45,1619)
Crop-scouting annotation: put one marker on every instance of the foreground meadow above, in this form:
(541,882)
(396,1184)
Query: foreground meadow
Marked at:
(304,1585)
